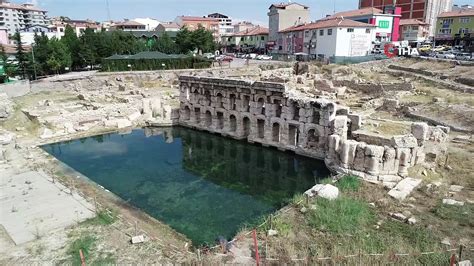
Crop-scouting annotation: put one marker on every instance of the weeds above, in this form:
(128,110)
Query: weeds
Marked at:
(86,244)
(102,218)
(348,183)
(464,215)
(342,215)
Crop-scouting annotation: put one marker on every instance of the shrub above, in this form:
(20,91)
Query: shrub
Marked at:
(349,183)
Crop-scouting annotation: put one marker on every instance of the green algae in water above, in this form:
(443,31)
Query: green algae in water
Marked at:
(200,184)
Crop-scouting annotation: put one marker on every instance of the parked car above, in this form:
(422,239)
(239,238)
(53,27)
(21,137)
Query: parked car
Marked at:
(438,49)
(209,55)
(263,57)
(445,55)
(425,48)
(225,58)
(463,56)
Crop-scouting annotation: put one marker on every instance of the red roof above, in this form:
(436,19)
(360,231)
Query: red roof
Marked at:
(284,5)
(329,23)
(129,23)
(253,31)
(170,25)
(358,12)
(404,22)
(460,13)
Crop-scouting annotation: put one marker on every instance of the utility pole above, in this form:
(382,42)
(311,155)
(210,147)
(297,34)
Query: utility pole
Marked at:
(34,63)
(108,10)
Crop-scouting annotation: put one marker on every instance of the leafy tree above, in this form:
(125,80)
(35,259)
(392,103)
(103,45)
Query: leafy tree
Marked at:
(203,40)
(184,40)
(165,45)
(71,41)
(42,52)
(60,57)
(21,57)
(8,67)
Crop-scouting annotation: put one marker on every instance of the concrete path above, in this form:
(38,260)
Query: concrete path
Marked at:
(31,205)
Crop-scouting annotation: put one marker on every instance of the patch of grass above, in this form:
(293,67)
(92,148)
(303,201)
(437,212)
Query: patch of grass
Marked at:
(343,215)
(464,215)
(348,183)
(298,198)
(86,244)
(107,259)
(102,218)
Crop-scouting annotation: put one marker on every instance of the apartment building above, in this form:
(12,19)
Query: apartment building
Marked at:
(168,27)
(414,30)
(14,17)
(192,23)
(225,23)
(284,15)
(335,38)
(252,40)
(386,21)
(243,25)
(424,10)
(456,27)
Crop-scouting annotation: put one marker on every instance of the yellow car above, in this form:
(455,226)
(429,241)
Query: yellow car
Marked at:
(425,48)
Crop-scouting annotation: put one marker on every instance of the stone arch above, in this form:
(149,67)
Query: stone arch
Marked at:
(312,138)
(220,120)
(232,101)
(186,113)
(208,119)
(261,105)
(208,97)
(219,100)
(316,113)
(293,135)
(246,103)
(246,124)
(276,128)
(233,123)
(261,128)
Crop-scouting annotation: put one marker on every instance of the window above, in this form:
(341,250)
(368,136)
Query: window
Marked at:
(448,21)
(350,29)
(321,32)
(367,31)
(262,38)
(306,33)
(466,30)
(415,28)
(329,31)
(445,31)
(464,20)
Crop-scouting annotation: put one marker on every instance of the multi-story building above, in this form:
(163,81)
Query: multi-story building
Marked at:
(334,39)
(225,23)
(192,23)
(129,25)
(247,41)
(386,21)
(414,30)
(424,10)
(168,27)
(285,15)
(79,26)
(243,25)
(14,17)
(456,27)
(150,23)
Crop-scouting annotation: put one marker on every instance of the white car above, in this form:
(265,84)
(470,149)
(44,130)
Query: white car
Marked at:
(463,56)
(445,55)
(264,57)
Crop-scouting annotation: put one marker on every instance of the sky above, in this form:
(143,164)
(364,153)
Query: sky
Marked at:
(167,10)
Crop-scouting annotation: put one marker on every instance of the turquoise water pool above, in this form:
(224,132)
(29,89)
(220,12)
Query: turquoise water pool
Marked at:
(202,185)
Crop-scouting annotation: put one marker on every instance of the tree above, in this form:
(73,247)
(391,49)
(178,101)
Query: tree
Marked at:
(60,57)
(71,41)
(21,57)
(8,67)
(203,40)
(42,53)
(184,40)
(165,45)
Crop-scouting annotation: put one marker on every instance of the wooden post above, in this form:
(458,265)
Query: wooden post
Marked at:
(453,260)
(257,257)
(460,253)
(136,228)
(83,260)
(199,255)
(271,221)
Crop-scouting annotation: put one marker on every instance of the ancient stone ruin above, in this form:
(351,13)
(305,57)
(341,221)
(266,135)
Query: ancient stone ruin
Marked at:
(264,112)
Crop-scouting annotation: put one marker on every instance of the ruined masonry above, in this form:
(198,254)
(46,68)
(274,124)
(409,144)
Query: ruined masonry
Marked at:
(263,112)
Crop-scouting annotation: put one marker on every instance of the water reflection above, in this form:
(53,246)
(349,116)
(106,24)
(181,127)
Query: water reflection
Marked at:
(200,184)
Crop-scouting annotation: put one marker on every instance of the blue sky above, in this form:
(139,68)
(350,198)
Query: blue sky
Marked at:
(166,10)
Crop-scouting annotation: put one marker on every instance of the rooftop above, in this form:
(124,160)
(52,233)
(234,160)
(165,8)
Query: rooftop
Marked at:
(284,5)
(129,23)
(170,25)
(195,18)
(404,22)
(358,12)
(328,23)
(29,7)
(253,31)
(459,13)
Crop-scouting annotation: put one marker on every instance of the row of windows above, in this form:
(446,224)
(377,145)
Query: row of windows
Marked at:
(449,21)
(449,31)
(329,31)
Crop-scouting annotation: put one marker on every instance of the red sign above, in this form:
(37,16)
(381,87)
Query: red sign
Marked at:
(390,50)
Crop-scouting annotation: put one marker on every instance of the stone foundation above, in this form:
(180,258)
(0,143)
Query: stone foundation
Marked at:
(262,112)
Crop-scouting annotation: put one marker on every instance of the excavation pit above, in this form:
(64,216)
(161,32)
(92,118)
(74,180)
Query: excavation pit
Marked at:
(202,185)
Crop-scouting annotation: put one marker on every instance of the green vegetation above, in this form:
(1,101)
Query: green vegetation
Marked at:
(102,218)
(86,244)
(168,62)
(464,215)
(348,183)
(342,215)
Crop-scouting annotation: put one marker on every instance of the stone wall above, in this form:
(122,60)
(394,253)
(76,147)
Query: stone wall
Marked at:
(262,112)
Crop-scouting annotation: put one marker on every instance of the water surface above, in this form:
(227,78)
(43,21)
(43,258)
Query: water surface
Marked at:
(202,185)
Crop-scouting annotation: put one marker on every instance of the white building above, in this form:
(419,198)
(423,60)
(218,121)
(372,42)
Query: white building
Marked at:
(14,17)
(150,24)
(335,39)
(225,23)
(282,16)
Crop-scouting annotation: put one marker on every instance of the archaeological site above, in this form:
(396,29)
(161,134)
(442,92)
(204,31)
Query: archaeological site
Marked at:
(271,162)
